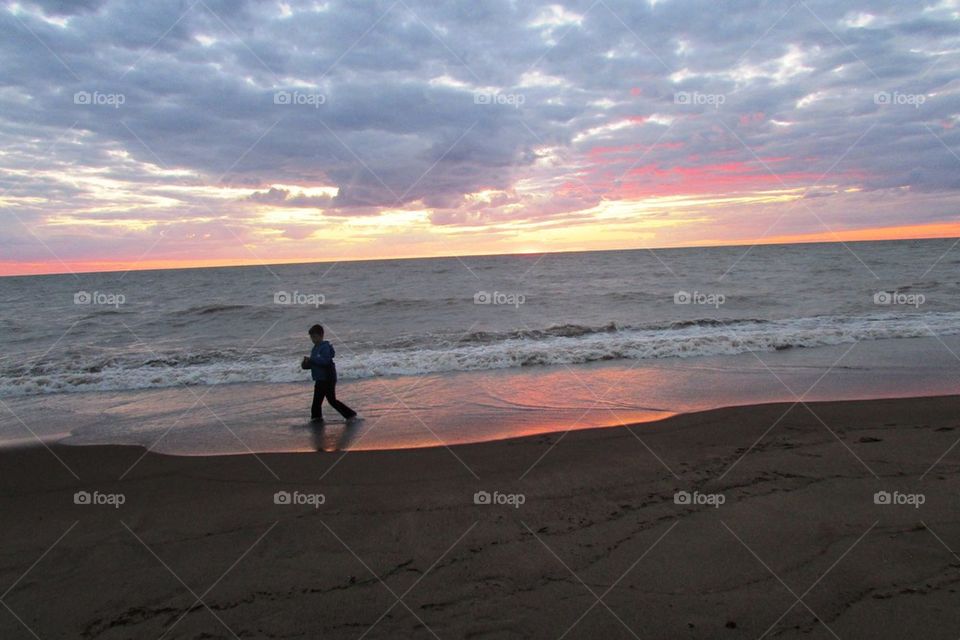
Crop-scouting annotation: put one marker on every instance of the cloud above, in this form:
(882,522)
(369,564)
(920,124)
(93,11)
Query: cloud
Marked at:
(550,109)
(285,198)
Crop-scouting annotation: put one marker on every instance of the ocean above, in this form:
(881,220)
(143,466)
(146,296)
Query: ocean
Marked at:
(118,357)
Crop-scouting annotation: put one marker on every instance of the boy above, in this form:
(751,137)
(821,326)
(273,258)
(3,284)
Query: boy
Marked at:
(324,374)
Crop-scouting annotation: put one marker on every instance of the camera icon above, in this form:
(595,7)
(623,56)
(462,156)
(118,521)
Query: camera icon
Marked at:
(681,97)
(481,497)
(282,97)
(482,98)
(82,497)
(882,297)
(682,497)
(82,297)
(282,497)
(682,297)
(482,297)
(882,97)
(882,497)
(282,297)
(82,97)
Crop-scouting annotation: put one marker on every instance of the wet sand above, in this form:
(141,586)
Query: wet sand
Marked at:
(587,536)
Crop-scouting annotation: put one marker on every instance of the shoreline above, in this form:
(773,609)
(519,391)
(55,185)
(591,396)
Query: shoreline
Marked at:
(599,517)
(659,421)
(480,406)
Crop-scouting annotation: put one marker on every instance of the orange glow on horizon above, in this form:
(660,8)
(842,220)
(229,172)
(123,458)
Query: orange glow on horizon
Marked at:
(903,232)
(909,232)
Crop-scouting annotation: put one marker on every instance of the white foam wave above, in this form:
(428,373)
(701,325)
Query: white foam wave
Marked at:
(699,339)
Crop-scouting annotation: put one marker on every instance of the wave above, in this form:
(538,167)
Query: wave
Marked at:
(566,344)
(560,330)
(408,303)
(709,322)
(209,309)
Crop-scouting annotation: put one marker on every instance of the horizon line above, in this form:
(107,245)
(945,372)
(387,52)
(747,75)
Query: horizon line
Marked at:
(471,255)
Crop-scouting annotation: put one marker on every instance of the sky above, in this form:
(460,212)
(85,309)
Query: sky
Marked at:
(141,135)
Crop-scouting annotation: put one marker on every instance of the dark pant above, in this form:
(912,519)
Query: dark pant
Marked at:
(327,389)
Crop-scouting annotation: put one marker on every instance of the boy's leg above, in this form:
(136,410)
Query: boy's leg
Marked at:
(316,412)
(343,409)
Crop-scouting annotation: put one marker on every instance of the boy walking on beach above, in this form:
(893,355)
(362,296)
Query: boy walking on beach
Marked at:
(324,374)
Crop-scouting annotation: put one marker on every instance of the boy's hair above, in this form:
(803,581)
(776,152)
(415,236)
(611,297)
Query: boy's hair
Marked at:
(316,330)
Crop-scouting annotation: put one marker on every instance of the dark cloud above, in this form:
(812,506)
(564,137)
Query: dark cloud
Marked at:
(66,7)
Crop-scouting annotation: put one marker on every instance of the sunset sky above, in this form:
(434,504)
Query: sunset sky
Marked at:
(188,133)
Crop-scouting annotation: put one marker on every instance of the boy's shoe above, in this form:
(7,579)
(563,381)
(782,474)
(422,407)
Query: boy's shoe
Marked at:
(354,418)
(317,419)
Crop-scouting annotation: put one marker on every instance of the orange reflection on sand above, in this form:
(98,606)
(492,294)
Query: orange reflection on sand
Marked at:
(518,406)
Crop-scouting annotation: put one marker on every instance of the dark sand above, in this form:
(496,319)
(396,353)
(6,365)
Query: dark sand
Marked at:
(599,549)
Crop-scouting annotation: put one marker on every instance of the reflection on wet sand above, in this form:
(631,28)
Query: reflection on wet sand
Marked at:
(465,407)
(332,438)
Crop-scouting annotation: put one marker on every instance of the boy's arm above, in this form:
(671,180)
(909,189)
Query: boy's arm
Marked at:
(323,356)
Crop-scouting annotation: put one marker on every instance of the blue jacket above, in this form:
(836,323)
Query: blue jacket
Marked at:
(321,362)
